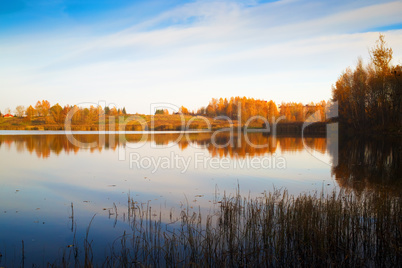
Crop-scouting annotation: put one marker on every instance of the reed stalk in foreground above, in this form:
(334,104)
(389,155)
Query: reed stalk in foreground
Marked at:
(277,230)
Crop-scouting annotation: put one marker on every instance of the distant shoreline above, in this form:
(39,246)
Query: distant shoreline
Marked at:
(164,124)
(282,130)
(157,124)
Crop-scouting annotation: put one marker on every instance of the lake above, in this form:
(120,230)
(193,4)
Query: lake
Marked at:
(53,187)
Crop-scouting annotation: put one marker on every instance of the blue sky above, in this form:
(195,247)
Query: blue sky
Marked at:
(135,53)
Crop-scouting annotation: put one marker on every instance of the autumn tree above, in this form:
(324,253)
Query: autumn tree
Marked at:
(272,111)
(220,107)
(85,115)
(242,108)
(56,111)
(210,110)
(101,112)
(212,107)
(19,110)
(201,111)
(45,107)
(93,114)
(38,108)
(370,96)
(381,57)
(66,110)
(229,108)
(30,112)
(113,111)
(76,118)
(183,110)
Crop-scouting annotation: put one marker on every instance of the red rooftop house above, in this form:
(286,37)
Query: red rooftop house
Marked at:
(8,115)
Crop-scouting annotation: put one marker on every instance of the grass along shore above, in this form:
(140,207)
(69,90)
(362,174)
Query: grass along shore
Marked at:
(276,230)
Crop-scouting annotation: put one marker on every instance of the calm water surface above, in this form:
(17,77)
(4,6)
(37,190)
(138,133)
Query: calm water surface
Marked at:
(43,175)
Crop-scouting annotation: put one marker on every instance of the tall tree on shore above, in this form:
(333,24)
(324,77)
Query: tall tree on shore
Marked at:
(56,111)
(45,107)
(183,110)
(107,110)
(38,108)
(30,112)
(370,96)
(381,57)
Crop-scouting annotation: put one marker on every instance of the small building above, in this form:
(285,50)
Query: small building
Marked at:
(8,115)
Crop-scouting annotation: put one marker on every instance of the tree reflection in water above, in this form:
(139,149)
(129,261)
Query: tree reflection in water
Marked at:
(255,144)
(368,163)
(363,163)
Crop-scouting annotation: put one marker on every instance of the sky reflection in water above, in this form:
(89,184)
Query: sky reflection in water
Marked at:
(41,175)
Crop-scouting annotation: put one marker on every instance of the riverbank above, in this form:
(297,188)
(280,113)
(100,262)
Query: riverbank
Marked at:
(158,123)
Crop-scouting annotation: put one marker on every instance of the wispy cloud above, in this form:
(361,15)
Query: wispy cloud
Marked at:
(281,50)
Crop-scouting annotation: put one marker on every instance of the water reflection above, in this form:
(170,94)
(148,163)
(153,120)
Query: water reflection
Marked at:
(42,175)
(369,163)
(363,163)
(221,145)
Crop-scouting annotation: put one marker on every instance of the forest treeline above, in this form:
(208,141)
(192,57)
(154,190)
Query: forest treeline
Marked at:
(239,109)
(57,114)
(369,97)
(244,108)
